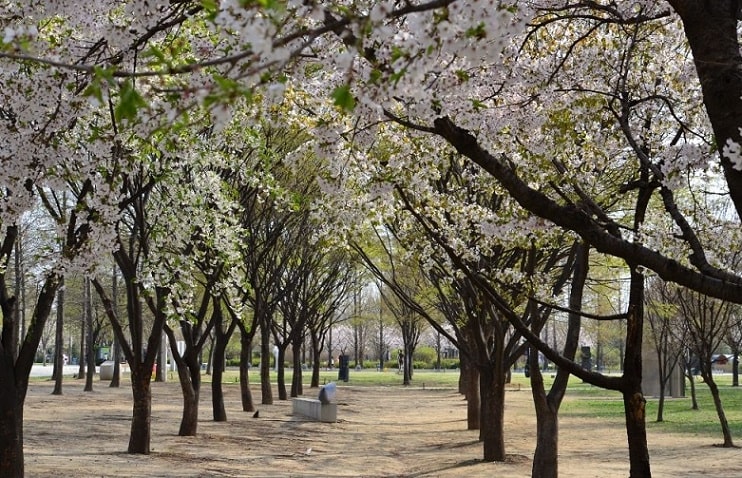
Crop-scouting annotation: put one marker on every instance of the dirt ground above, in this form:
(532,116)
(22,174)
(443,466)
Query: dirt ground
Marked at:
(380,432)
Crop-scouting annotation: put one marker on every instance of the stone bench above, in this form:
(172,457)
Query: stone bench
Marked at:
(322,409)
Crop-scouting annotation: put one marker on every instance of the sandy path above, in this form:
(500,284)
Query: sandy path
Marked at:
(384,431)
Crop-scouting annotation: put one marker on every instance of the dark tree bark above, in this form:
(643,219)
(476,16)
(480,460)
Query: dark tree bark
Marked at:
(492,393)
(189,376)
(221,340)
(90,339)
(634,401)
(723,422)
(472,394)
(19,292)
(692,382)
(316,344)
(712,33)
(116,379)
(545,457)
(58,373)
(246,338)
(141,419)
(265,362)
(14,372)
(82,356)
(281,373)
(297,388)
(11,424)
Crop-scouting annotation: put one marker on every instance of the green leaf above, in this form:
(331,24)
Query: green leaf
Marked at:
(130,101)
(479,32)
(343,98)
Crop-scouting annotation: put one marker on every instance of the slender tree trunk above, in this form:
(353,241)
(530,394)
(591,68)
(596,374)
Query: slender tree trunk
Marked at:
(316,363)
(90,349)
(661,403)
(210,361)
(116,379)
(59,344)
(297,387)
(714,389)
(735,368)
(281,374)
(492,391)
(189,375)
(692,382)
(161,361)
(546,455)
(245,362)
(141,420)
(81,369)
(634,401)
(407,365)
(116,357)
(221,339)
(265,362)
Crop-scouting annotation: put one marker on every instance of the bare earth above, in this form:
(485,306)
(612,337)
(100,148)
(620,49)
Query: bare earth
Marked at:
(384,431)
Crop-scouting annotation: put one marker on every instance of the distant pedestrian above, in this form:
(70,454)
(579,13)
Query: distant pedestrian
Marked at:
(400,361)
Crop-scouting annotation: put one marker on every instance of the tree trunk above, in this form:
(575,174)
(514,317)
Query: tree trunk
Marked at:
(634,401)
(492,392)
(407,365)
(735,369)
(217,392)
(466,374)
(635,411)
(81,369)
(59,344)
(14,373)
(661,405)
(281,374)
(190,384)
(15,333)
(473,402)
(116,352)
(711,31)
(90,348)
(692,382)
(11,425)
(141,419)
(116,356)
(245,362)
(545,457)
(265,363)
(297,387)
(315,361)
(725,430)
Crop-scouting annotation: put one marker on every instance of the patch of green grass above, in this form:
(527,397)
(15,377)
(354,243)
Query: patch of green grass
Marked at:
(678,416)
(365,377)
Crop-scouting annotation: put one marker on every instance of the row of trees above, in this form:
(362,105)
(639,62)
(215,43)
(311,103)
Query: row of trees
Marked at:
(497,149)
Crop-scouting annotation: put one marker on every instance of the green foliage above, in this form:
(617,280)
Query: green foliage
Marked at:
(129,103)
(343,98)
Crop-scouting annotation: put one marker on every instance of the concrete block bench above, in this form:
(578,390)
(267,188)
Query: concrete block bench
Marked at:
(322,409)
